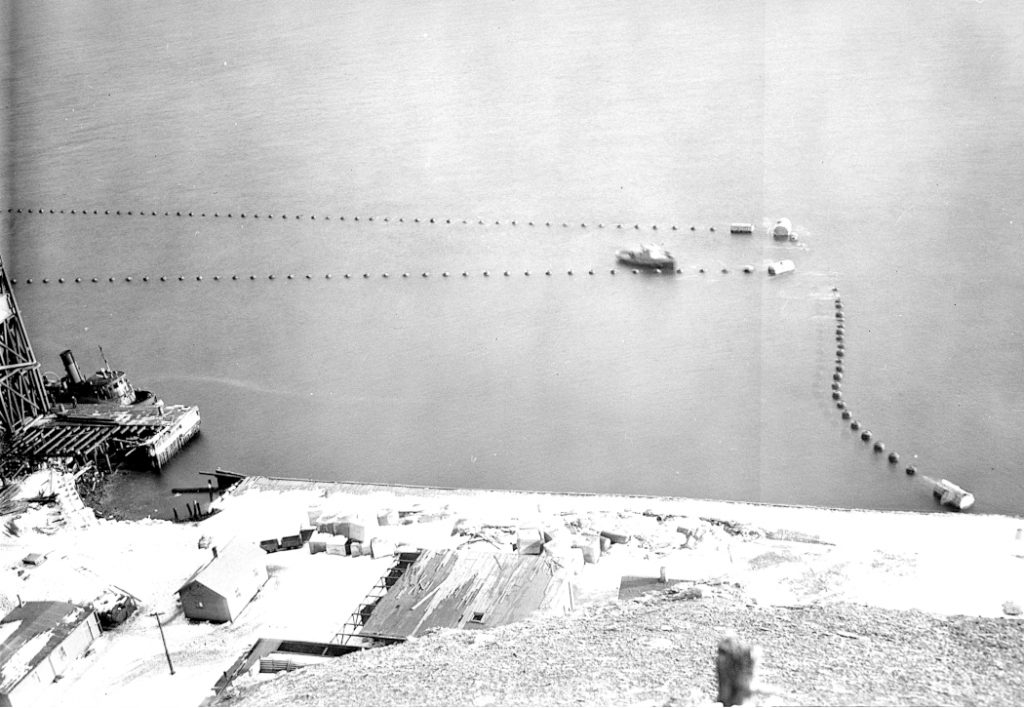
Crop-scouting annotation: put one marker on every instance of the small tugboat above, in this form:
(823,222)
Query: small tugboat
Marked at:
(647,256)
(104,418)
(106,386)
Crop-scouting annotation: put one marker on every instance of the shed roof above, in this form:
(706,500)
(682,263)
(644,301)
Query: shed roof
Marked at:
(467,588)
(232,566)
(41,627)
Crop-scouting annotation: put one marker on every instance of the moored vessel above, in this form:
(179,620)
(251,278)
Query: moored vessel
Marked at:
(647,255)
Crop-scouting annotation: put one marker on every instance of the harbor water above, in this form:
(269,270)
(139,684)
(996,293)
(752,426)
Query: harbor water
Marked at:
(535,137)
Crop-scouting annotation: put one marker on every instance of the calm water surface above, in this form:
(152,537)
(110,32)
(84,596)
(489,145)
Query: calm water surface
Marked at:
(892,135)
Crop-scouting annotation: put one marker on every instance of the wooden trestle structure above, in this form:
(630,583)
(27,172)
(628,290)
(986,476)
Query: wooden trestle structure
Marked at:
(22,393)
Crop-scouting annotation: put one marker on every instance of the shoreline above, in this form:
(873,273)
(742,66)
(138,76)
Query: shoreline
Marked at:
(767,556)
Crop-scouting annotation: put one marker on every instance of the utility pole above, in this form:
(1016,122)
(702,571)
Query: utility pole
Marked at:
(164,640)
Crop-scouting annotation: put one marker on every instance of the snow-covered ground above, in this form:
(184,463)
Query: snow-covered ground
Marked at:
(944,563)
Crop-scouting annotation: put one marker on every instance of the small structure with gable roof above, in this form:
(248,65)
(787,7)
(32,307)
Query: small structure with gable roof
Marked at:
(38,641)
(221,589)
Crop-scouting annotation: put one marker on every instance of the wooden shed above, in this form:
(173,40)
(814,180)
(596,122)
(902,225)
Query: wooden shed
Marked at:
(38,641)
(221,589)
(470,590)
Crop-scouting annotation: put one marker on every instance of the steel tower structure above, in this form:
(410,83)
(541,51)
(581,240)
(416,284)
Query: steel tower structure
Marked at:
(22,394)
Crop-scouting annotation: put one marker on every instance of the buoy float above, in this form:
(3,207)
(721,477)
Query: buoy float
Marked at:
(163,279)
(866,435)
(77,280)
(384,275)
(444,274)
(893,458)
(252,277)
(612,271)
(635,271)
(839,368)
(782,228)
(836,395)
(47,280)
(837,376)
(199,277)
(854,425)
(111,279)
(487,274)
(911,470)
(879,446)
(347,276)
(847,415)
(127,280)
(271,276)
(840,405)
(836,385)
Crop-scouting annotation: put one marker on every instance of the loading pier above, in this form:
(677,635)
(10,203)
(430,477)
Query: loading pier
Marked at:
(99,420)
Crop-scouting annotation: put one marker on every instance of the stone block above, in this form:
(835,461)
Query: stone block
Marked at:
(381,548)
(354,548)
(387,517)
(351,528)
(591,547)
(529,541)
(615,536)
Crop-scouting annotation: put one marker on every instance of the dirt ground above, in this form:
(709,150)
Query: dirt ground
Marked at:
(781,557)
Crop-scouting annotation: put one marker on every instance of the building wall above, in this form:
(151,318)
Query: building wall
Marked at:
(30,688)
(202,603)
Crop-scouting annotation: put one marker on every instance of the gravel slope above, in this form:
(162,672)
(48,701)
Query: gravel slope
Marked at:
(659,649)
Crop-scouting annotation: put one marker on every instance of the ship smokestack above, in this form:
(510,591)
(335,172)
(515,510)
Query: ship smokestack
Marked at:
(71,366)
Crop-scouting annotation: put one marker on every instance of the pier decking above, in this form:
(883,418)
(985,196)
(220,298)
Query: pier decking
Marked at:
(90,433)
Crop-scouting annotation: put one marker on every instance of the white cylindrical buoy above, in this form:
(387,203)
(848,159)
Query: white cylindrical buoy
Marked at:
(780,267)
(953,496)
(782,228)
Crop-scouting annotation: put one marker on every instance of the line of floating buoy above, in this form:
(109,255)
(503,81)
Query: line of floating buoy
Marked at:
(947,493)
(367,275)
(743,228)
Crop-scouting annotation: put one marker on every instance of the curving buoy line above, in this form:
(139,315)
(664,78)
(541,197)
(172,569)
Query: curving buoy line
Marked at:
(877,446)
